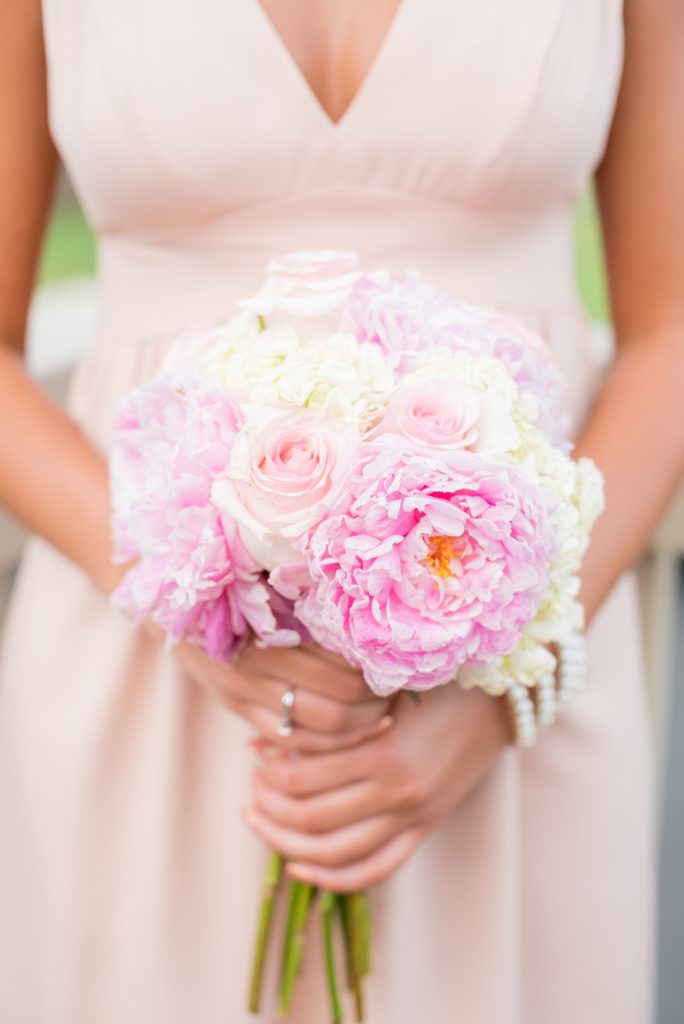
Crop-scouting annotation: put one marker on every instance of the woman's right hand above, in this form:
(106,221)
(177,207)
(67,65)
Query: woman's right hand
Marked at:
(333,708)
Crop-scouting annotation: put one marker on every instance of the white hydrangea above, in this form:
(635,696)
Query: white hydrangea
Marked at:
(529,663)
(274,365)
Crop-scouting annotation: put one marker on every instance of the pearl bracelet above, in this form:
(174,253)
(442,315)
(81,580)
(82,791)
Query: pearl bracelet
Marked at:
(551,694)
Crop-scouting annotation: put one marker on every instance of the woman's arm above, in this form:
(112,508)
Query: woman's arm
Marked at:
(51,478)
(636,433)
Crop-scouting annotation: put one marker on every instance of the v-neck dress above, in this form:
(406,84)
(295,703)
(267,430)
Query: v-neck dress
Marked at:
(128,881)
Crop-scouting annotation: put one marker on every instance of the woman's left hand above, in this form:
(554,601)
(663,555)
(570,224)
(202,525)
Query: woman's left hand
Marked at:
(348,819)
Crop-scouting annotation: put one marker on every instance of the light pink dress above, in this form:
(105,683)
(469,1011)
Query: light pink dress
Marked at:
(128,882)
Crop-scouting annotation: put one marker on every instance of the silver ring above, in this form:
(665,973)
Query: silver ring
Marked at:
(287,701)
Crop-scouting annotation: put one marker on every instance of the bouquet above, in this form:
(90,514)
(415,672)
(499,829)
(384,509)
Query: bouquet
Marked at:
(354,458)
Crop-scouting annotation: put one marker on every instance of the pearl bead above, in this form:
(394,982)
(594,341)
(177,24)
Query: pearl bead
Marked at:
(535,708)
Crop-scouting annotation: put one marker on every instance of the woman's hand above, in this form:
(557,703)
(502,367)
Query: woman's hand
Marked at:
(348,819)
(333,706)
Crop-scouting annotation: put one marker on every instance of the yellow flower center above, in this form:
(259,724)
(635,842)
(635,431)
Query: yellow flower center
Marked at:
(442,552)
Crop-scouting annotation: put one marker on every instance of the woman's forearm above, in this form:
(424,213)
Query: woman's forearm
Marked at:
(51,478)
(636,437)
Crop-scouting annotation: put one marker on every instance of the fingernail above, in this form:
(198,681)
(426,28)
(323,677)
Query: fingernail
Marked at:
(249,816)
(385,723)
(298,872)
(264,748)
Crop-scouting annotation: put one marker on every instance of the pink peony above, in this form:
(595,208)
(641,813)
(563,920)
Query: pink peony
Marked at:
(426,563)
(193,575)
(392,313)
(185,353)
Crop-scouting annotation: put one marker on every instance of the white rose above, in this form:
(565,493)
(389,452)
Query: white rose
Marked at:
(306,283)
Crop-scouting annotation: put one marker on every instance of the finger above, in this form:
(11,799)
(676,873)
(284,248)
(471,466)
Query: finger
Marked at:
(330,656)
(312,710)
(377,867)
(324,813)
(317,773)
(303,666)
(330,849)
(268,722)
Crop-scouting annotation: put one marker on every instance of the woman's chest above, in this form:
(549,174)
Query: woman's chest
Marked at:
(332,45)
(167,112)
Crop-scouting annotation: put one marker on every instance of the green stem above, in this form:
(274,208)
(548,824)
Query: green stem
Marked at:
(292,893)
(366,934)
(356,915)
(295,938)
(343,911)
(272,876)
(262,322)
(328,906)
(351,913)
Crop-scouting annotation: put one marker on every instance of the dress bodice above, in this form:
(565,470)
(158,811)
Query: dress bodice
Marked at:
(198,150)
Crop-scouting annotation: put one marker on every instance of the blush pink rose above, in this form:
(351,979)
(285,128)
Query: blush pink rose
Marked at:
(281,470)
(306,283)
(434,416)
(449,415)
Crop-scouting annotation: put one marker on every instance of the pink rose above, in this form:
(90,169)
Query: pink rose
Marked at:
(280,471)
(449,415)
(306,283)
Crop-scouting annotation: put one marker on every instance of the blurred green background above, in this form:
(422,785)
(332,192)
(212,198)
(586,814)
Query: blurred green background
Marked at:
(69,246)
(69,251)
